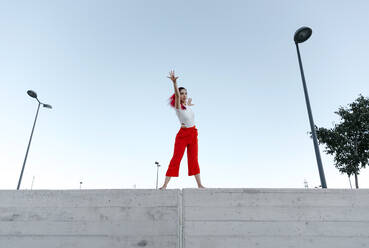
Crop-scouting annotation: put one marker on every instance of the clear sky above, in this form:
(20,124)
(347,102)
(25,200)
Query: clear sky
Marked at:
(102,65)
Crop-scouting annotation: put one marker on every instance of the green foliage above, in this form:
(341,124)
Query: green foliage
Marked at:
(348,141)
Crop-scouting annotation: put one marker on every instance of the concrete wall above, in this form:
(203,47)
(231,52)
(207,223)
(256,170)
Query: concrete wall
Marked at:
(89,218)
(276,218)
(190,218)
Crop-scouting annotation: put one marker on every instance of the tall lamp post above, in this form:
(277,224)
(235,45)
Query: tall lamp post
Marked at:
(301,35)
(157,173)
(33,95)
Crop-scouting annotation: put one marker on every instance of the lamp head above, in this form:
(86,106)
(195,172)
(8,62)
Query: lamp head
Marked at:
(47,106)
(32,94)
(302,34)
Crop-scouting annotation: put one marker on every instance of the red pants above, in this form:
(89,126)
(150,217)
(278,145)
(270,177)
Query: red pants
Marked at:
(186,137)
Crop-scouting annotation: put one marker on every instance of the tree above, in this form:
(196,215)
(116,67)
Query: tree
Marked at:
(348,141)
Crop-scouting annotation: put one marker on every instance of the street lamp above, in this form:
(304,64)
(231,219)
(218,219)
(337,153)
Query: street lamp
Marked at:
(157,173)
(33,95)
(301,35)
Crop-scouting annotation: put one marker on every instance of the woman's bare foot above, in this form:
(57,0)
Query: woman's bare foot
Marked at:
(201,187)
(167,179)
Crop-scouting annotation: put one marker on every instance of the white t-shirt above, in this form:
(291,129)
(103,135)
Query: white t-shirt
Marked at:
(186,116)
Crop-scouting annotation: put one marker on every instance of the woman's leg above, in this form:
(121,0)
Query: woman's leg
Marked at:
(167,179)
(179,149)
(198,180)
(192,154)
(192,157)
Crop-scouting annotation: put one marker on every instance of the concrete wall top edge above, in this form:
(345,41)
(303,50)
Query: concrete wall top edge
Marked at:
(225,190)
(275,190)
(91,190)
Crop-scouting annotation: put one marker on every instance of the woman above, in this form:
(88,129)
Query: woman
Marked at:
(186,136)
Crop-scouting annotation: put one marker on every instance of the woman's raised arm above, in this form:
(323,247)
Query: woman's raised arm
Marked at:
(176,91)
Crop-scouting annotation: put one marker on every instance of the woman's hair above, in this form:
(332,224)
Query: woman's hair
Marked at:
(172,99)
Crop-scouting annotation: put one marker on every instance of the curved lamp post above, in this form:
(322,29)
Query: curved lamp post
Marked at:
(301,35)
(33,95)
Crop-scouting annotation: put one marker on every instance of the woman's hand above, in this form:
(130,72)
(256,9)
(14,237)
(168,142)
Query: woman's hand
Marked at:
(189,102)
(172,76)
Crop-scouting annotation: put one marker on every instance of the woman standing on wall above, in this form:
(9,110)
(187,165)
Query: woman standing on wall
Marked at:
(186,136)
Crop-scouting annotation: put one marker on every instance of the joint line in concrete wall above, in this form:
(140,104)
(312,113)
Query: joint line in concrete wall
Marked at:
(180,219)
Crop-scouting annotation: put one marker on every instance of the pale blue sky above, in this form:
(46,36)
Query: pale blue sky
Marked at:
(102,65)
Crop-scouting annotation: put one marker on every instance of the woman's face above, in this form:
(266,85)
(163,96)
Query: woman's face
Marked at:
(183,95)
